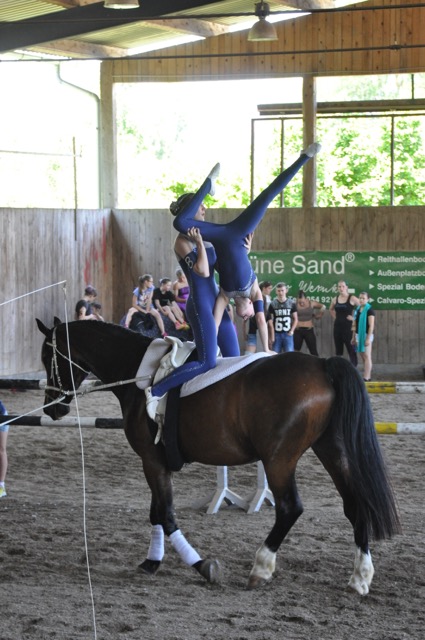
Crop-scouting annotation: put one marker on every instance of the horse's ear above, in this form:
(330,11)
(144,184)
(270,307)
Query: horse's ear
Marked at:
(56,321)
(42,327)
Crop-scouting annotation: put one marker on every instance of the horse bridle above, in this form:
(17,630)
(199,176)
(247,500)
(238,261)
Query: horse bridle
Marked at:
(55,375)
(54,371)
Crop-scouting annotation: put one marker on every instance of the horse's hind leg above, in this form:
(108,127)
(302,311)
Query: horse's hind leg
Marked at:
(288,508)
(333,460)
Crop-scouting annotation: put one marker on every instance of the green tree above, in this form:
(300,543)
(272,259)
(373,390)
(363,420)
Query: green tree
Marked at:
(361,157)
(409,162)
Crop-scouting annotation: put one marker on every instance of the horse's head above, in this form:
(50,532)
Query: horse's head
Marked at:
(63,369)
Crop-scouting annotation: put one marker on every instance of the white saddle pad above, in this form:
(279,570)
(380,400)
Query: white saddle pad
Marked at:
(225,367)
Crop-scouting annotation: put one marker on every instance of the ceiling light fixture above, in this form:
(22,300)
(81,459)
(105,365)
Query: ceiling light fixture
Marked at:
(121,4)
(262,30)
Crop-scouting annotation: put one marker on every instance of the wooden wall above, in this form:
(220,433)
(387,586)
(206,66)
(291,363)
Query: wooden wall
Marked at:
(111,249)
(389,38)
(143,241)
(41,247)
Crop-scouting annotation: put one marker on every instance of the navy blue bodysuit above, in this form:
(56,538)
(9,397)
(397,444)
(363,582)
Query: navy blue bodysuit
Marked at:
(199,311)
(233,265)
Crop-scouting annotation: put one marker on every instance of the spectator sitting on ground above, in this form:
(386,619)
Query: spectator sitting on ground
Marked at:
(142,303)
(96,309)
(164,301)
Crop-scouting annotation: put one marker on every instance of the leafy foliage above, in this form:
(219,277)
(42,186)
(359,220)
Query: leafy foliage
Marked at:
(365,160)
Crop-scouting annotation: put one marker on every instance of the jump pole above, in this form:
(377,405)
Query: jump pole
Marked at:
(45,421)
(416,428)
(395,387)
(38,383)
(372,387)
(400,428)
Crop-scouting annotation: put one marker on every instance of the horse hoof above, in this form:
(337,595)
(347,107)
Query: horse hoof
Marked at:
(254,582)
(210,570)
(150,566)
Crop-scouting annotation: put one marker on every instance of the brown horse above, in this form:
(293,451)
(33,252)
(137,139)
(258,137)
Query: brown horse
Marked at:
(273,410)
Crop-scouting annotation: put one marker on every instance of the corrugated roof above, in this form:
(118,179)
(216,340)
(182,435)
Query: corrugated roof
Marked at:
(81,26)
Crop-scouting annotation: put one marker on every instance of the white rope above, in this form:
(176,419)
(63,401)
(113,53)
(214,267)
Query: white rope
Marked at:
(30,293)
(58,400)
(83,473)
(98,387)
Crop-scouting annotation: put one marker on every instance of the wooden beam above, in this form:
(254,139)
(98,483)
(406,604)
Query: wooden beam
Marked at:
(74,22)
(108,138)
(72,48)
(309,136)
(362,106)
(309,5)
(195,27)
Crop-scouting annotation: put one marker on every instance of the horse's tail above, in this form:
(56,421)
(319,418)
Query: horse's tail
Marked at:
(352,420)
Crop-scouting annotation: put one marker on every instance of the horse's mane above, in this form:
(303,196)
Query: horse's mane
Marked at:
(98,328)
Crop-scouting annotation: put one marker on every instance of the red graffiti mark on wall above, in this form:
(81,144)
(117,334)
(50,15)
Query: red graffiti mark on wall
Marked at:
(87,272)
(96,254)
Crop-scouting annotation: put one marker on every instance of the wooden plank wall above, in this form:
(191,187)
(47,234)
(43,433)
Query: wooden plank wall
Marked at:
(41,247)
(351,42)
(112,249)
(143,241)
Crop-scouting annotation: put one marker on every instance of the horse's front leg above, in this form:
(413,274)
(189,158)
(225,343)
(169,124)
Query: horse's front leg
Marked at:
(155,552)
(288,508)
(207,568)
(164,524)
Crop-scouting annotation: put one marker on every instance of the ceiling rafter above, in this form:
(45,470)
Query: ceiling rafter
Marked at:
(203,28)
(72,48)
(84,20)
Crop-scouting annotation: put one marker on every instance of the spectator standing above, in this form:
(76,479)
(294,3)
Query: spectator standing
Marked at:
(283,320)
(304,332)
(363,328)
(250,326)
(266,288)
(342,309)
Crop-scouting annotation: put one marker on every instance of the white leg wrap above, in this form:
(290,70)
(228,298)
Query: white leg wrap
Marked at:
(156,547)
(265,563)
(363,572)
(186,552)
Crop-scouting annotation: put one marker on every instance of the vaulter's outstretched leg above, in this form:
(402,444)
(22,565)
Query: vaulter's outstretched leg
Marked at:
(249,219)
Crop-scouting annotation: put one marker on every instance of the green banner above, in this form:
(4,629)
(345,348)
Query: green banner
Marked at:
(393,279)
